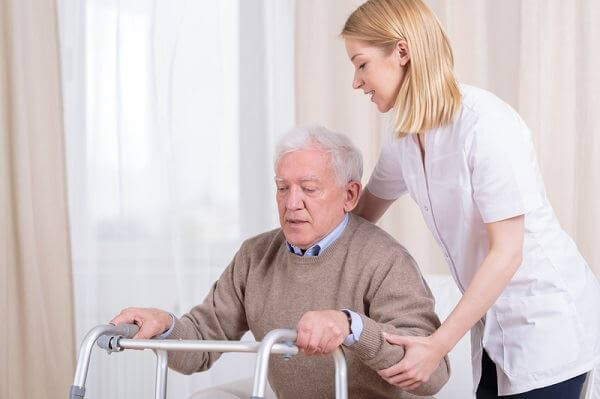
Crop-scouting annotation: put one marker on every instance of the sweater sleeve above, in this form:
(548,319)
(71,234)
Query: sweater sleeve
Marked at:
(220,317)
(399,302)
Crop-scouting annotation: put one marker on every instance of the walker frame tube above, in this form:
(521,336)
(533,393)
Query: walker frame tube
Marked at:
(262,364)
(85,352)
(160,387)
(117,342)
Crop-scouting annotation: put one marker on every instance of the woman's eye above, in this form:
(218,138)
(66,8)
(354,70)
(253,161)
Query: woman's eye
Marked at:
(362,66)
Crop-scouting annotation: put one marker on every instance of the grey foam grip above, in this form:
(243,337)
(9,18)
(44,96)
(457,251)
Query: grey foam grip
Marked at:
(77,392)
(128,330)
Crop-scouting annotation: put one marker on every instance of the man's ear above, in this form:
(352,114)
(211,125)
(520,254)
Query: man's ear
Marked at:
(352,194)
(403,52)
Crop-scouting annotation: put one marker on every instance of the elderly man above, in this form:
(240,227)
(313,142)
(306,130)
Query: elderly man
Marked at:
(334,277)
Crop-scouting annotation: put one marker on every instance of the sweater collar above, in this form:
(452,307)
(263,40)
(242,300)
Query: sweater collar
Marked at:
(324,243)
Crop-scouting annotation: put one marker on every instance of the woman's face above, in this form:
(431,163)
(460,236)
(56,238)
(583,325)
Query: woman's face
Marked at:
(377,73)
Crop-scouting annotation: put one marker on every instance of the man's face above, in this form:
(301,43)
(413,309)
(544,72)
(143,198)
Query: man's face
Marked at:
(310,201)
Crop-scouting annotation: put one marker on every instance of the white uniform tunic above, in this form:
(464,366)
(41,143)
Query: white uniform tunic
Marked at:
(482,168)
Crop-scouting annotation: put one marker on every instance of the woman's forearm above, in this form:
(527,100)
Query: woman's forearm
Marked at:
(371,207)
(489,281)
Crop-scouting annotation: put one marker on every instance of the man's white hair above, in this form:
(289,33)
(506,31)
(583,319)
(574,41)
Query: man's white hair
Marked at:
(346,159)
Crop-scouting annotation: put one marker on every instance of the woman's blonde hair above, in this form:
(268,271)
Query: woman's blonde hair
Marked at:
(429,96)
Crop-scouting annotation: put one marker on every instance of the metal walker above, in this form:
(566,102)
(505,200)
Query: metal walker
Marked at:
(118,338)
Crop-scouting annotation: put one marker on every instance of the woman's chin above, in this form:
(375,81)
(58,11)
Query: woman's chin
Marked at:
(383,108)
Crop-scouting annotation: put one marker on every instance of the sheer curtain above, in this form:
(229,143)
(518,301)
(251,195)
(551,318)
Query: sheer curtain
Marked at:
(171,109)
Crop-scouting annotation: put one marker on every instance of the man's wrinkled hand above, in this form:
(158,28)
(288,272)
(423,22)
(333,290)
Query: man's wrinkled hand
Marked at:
(152,322)
(322,331)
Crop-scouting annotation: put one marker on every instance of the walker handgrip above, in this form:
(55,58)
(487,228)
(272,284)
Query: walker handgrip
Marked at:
(109,342)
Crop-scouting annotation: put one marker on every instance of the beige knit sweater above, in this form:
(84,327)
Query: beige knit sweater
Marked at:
(267,287)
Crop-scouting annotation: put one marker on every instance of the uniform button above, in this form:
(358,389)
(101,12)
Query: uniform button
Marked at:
(426,208)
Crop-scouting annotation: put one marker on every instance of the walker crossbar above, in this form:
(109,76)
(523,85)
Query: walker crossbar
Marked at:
(117,338)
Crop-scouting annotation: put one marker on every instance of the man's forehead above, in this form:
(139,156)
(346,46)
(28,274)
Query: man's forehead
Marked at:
(304,165)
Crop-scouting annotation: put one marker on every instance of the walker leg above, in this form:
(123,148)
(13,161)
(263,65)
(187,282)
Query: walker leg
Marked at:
(262,365)
(341,375)
(262,359)
(160,391)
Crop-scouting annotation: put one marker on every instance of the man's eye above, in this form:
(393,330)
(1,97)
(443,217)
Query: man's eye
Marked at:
(281,189)
(310,189)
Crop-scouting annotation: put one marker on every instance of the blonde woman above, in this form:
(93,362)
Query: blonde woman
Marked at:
(467,159)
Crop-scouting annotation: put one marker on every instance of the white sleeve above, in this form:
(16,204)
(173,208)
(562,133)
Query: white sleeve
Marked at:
(387,181)
(505,176)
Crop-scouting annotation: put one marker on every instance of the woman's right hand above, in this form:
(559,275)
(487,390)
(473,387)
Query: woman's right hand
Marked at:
(152,322)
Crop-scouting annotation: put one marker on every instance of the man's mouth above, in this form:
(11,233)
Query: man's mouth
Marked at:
(296,221)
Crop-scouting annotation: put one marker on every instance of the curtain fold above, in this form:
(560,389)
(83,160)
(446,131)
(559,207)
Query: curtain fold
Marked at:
(38,347)
(539,56)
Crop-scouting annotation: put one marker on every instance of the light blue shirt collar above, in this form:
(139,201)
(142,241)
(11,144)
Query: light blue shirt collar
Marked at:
(322,245)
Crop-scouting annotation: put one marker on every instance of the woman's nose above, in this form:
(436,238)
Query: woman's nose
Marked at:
(357,83)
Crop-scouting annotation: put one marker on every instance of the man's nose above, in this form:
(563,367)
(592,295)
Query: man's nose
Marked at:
(294,199)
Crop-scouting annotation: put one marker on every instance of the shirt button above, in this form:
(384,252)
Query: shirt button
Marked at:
(426,208)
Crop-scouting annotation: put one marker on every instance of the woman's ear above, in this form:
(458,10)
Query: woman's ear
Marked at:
(403,52)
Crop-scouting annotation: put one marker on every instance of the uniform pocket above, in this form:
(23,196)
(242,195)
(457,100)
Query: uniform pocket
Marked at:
(538,333)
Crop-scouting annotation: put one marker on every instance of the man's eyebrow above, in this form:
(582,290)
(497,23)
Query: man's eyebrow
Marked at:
(303,179)
(354,56)
(310,178)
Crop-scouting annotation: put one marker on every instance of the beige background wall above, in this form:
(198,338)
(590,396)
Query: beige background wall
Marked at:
(538,55)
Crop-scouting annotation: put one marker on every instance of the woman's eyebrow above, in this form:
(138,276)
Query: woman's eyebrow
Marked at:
(354,56)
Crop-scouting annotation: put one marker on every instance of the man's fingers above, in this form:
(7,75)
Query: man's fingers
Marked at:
(313,343)
(302,339)
(126,316)
(144,331)
(326,341)
(330,345)
(321,331)
(146,319)
(120,320)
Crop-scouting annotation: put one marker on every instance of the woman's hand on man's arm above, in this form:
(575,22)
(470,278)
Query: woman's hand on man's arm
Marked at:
(496,271)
